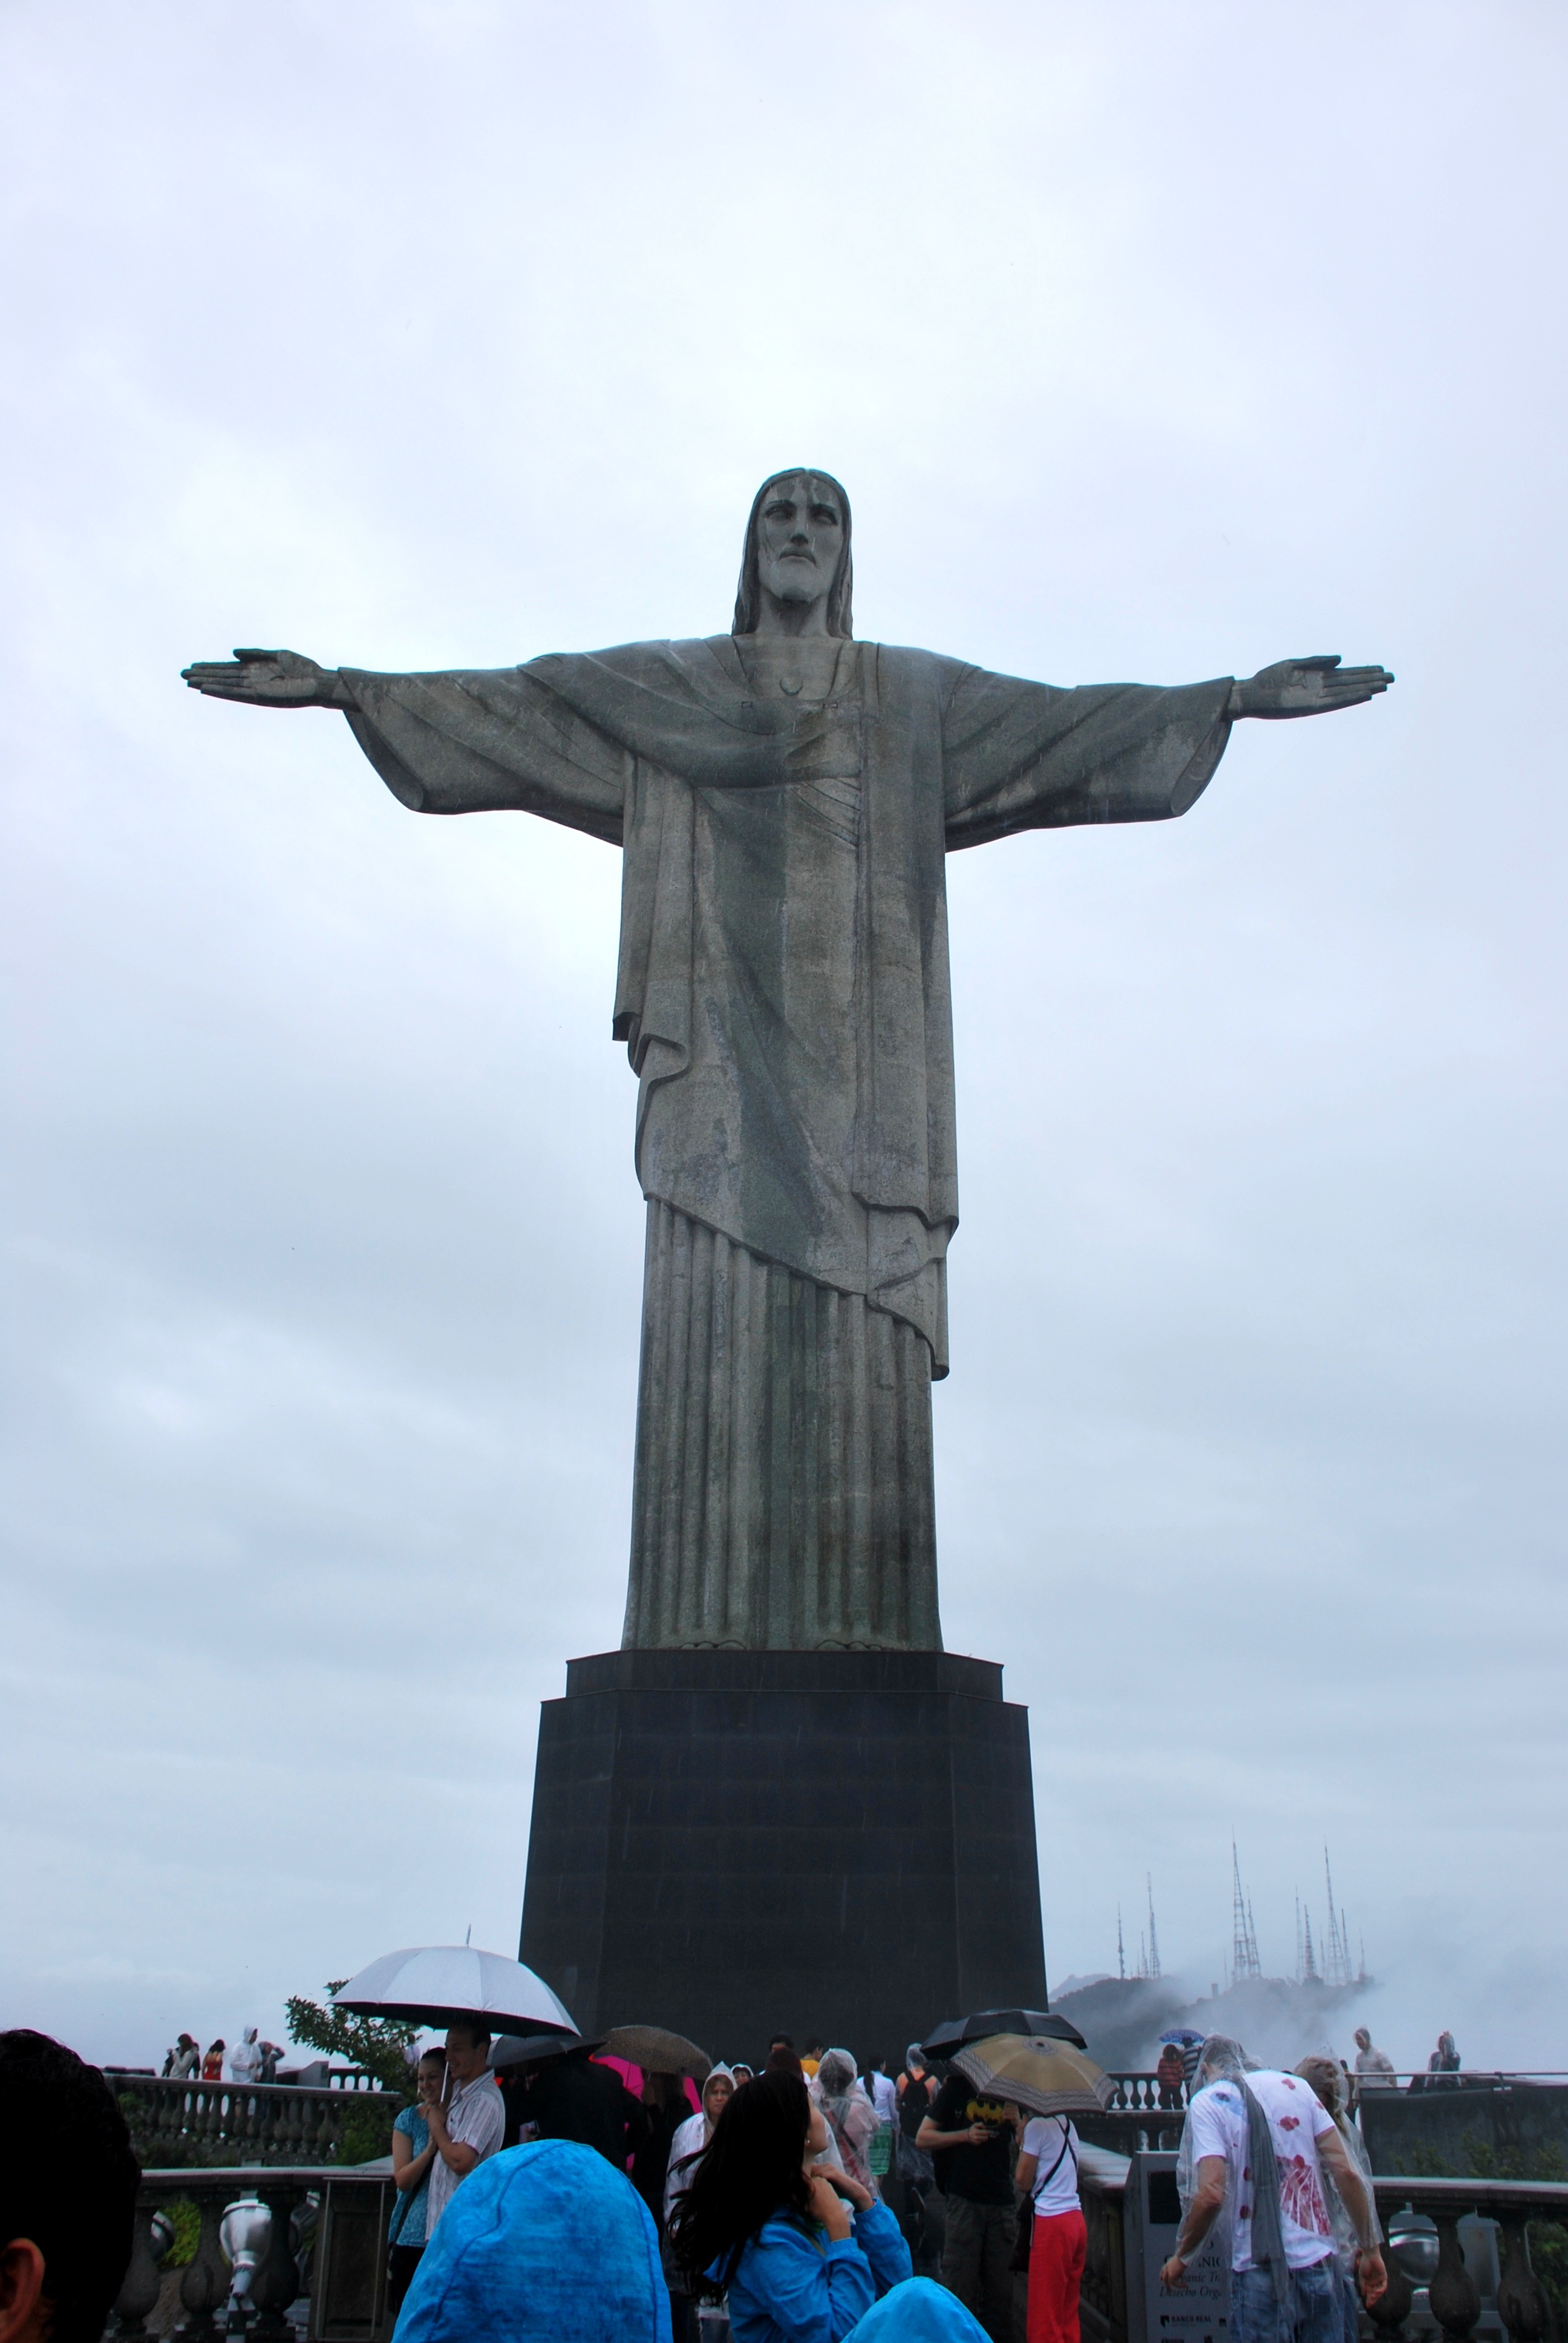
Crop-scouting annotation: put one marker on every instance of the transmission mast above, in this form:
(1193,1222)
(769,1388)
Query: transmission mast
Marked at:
(1244,1961)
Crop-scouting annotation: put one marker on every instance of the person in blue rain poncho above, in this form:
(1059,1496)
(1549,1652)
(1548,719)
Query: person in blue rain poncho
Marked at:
(540,2243)
(802,2253)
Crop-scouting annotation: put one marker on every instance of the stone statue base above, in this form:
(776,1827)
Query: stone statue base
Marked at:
(734,1844)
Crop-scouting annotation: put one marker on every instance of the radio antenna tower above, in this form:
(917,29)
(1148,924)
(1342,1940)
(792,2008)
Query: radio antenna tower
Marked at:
(1337,1967)
(1244,1961)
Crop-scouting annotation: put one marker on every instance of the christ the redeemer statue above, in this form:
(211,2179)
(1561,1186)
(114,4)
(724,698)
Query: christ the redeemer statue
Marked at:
(784,797)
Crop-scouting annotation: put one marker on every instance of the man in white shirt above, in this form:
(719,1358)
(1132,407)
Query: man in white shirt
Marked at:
(1260,2142)
(1374,2067)
(471,2124)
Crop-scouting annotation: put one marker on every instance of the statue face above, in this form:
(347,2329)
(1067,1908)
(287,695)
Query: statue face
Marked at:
(800,540)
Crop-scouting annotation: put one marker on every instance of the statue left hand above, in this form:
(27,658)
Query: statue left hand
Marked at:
(1305,686)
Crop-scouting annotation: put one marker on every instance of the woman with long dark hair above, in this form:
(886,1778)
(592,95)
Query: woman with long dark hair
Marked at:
(763,2222)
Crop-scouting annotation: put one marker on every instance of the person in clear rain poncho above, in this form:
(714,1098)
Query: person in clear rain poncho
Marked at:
(851,2117)
(1260,2144)
(1326,2078)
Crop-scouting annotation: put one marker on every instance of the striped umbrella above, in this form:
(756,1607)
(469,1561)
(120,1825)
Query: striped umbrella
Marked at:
(1048,2078)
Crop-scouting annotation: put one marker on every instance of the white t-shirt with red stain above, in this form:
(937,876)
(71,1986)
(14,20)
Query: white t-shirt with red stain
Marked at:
(1297,2118)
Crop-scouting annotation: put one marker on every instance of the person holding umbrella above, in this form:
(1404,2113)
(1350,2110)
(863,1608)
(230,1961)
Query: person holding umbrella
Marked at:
(969,2135)
(469,2126)
(1053,2079)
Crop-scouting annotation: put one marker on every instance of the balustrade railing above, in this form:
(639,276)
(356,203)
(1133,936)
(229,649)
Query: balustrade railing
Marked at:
(319,2276)
(176,2123)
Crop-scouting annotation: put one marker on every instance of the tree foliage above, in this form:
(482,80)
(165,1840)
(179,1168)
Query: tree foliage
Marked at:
(379,2045)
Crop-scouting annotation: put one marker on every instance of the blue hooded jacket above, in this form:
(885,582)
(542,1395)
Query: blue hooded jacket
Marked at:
(793,2285)
(541,2242)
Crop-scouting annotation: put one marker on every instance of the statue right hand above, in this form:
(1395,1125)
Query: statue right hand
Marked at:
(268,679)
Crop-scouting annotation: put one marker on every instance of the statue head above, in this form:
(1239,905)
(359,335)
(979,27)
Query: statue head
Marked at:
(799,527)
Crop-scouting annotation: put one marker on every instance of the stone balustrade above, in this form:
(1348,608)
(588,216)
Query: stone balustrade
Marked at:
(1453,2293)
(1142,2113)
(321,2274)
(1141,2091)
(173,2123)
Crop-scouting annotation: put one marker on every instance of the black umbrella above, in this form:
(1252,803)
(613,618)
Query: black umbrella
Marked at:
(532,2049)
(1036,2024)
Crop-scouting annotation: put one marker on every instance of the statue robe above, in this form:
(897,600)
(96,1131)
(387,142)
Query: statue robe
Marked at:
(783,994)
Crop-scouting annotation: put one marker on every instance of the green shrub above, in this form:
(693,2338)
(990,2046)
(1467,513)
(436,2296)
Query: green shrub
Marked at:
(377,2044)
(186,2219)
(367,2134)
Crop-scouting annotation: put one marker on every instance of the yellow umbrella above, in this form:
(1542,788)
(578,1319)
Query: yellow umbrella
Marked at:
(1048,2078)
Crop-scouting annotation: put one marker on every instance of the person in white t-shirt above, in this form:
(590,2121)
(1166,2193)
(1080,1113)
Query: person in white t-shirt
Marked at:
(882,2091)
(1047,2171)
(1374,2067)
(1260,2141)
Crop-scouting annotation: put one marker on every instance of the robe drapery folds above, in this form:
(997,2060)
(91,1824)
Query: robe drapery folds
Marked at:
(783,994)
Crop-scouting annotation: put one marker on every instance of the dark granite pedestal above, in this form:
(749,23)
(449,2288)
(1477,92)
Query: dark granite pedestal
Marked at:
(830,1842)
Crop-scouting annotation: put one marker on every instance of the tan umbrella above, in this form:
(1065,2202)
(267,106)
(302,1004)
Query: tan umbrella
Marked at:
(658,2051)
(1048,2078)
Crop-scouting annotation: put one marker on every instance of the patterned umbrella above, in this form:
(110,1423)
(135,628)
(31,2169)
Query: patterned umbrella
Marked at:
(1048,2078)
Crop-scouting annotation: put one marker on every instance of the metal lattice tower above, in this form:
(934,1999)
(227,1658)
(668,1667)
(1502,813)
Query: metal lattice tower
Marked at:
(1244,1961)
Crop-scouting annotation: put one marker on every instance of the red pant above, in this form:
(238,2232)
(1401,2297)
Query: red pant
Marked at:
(1055,2273)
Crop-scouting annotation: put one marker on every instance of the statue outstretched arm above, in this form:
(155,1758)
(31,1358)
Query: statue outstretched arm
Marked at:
(1030,756)
(1305,686)
(469,741)
(269,679)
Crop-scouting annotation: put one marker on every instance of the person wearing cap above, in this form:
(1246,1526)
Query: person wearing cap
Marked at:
(470,2126)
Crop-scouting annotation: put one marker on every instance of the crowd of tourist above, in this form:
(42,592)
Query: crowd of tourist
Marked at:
(250,2061)
(813,2202)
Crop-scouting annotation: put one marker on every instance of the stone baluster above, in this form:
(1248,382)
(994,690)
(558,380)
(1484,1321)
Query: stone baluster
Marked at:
(204,2284)
(1521,2299)
(276,2279)
(1391,2308)
(139,2291)
(1453,2295)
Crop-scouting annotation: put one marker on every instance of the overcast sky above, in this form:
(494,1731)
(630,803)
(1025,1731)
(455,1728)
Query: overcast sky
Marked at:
(1150,341)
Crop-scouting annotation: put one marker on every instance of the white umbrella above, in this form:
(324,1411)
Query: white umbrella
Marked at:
(439,1985)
